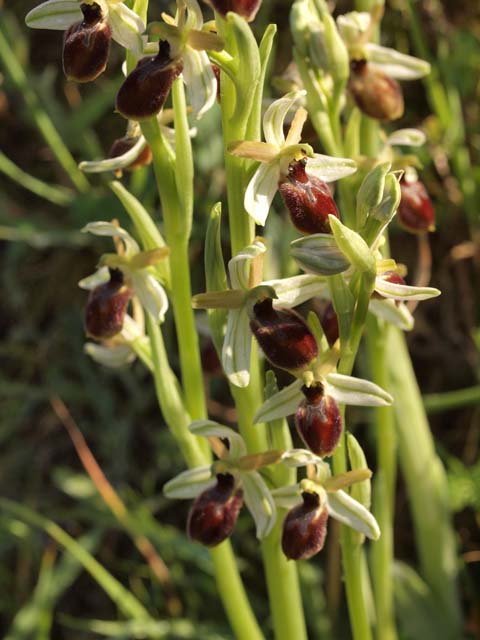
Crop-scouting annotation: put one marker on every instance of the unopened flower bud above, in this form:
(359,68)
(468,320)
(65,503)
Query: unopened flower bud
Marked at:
(329,322)
(376,94)
(86,45)
(107,306)
(214,513)
(415,212)
(145,90)
(245,8)
(283,335)
(305,528)
(307,199)
(318,421)
(122,145)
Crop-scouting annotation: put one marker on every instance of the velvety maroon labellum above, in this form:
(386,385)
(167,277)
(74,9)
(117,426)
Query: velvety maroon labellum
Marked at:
(122,145)
(308,199)
(146,89)
(283,335)
(329,322)
(245,8)
(107,306)
(375,94)
(305,529)
(415,212)
(318,421)
(214,513)
(86,45)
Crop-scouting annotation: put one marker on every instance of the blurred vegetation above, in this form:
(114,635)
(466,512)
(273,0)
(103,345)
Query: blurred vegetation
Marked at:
(46,591)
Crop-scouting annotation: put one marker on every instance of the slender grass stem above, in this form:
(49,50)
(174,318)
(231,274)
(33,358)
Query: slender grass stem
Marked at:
(55,194)
(50,134)
(125,601)
(436,402)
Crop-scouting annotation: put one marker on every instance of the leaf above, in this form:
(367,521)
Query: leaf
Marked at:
(353,246)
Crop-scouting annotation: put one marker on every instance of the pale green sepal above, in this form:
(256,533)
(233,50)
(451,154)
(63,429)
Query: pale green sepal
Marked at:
(237,348)
(261,190)
(114,164)
(395,64)
(301,458)
(127,27)
(209,428)
(150,293)
(132,330)
(353,246)
(328,168)
(356,391)
(114,357)
(403,291)
(370,192)
(281,404)
(298,289)
(319,254)
(259,502)
(407,137)
(189,484)
(352,26)
(239,266)
(287,497)
(274,117)
(54,14)
(360,491)
(101,276)
(215,273)
(200,81)
(108,229)
(350,512)
(337,53)
(388,310)
(388,206)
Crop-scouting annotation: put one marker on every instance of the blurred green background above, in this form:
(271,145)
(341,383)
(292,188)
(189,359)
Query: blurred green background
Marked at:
(45,593)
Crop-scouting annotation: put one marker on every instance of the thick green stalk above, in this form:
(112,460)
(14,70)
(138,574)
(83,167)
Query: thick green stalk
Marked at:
(384,486)
(229,584)
(283,587)
(177,223)
(426,485)
(51,136)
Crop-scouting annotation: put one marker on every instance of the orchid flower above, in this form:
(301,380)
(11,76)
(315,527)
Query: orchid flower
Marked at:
(235,461)
(188,41)
(278,151)
(136,266)
(245,271)
(126,27)
(139,144)
(356,28)
(337,502)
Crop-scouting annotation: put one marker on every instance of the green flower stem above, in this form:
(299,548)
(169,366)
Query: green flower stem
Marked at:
(170,400)
(228,580)
(435,402)
(426,485)
(55,194)
(177,222)
(232,594)
(283,587)
(19,79)
(352,552)
(124,600)
(384,485)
